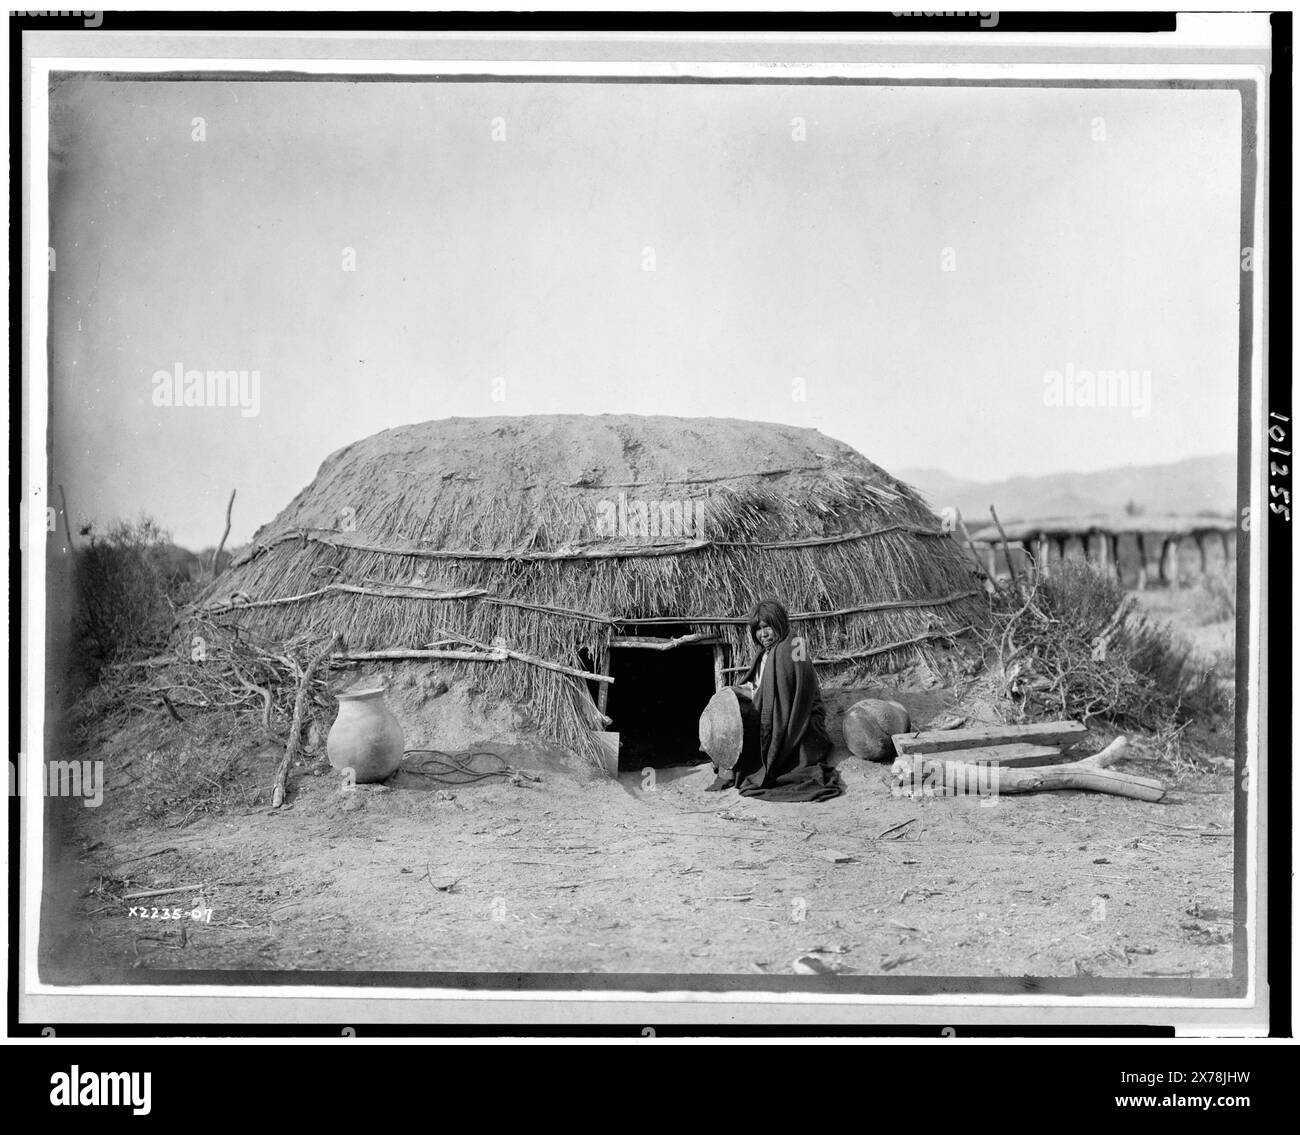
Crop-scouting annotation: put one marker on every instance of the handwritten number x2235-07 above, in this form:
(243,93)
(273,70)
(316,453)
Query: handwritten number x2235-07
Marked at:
(203,914)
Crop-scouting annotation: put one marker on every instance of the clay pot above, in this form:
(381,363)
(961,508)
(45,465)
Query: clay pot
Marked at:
(870,725)
(365,737)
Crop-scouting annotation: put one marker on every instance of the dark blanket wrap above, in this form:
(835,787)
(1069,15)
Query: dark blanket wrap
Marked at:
(784,756)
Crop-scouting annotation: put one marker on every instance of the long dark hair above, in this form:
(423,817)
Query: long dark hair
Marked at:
(772,613)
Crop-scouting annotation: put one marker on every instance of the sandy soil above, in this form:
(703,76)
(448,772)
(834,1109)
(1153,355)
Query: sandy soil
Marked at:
(574,872)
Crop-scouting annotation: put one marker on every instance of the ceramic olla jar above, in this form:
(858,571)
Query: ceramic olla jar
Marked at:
(365,737)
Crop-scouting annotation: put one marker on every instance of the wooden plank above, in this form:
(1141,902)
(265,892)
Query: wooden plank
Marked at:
(608,743)
(1061,733)
(719,666)
(1019,753)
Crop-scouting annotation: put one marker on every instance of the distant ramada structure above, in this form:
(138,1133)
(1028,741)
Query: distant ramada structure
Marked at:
(549,558)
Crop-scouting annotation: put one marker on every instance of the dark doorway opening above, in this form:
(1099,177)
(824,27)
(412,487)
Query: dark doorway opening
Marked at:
(655,703)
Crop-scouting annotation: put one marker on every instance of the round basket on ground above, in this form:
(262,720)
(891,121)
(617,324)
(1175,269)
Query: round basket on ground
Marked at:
(722,728)
(870,725)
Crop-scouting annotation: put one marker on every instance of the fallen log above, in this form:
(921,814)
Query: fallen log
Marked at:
(1055,733)
(1091,774)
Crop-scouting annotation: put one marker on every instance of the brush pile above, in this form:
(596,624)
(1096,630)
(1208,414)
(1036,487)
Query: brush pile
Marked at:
(212,668)
(1076,646)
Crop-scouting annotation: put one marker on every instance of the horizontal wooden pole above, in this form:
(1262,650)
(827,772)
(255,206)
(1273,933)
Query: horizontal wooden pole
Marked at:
(360,542)
(643,643)
(397,655)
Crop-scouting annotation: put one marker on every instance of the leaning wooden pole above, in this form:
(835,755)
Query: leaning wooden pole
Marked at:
(1006,547)
(990,584)
(294,747)
(216,556)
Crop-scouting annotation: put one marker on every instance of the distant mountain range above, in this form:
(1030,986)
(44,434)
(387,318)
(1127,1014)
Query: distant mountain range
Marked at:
(1184,488)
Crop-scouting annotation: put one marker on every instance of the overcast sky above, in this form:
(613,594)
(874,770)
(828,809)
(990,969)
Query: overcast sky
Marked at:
(921,260)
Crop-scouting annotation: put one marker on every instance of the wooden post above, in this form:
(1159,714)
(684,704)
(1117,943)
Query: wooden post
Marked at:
(1043,556)
(1227,548)
(602,667)
(1169,561)
(1112,542)
(719,666)
(1142,561)
(991,561)
(1199,537)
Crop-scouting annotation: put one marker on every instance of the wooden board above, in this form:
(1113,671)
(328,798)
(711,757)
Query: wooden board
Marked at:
(1057,733)
(608,750)
(1007,756)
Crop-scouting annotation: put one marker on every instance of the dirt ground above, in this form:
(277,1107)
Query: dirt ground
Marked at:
(564,870)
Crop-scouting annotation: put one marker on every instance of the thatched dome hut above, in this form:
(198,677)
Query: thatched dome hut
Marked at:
(546,547)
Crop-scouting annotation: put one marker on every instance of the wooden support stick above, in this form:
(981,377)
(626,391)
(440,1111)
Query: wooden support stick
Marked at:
(989,585)
(216,556)
(1006,547)
(294,746)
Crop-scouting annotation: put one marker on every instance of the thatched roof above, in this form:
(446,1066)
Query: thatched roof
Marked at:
(550,534)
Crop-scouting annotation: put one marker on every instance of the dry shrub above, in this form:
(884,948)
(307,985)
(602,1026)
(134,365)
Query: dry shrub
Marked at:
(122,599)
(1072,646)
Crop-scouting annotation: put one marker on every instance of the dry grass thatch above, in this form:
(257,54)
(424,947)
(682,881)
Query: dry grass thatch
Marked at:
(528,532)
